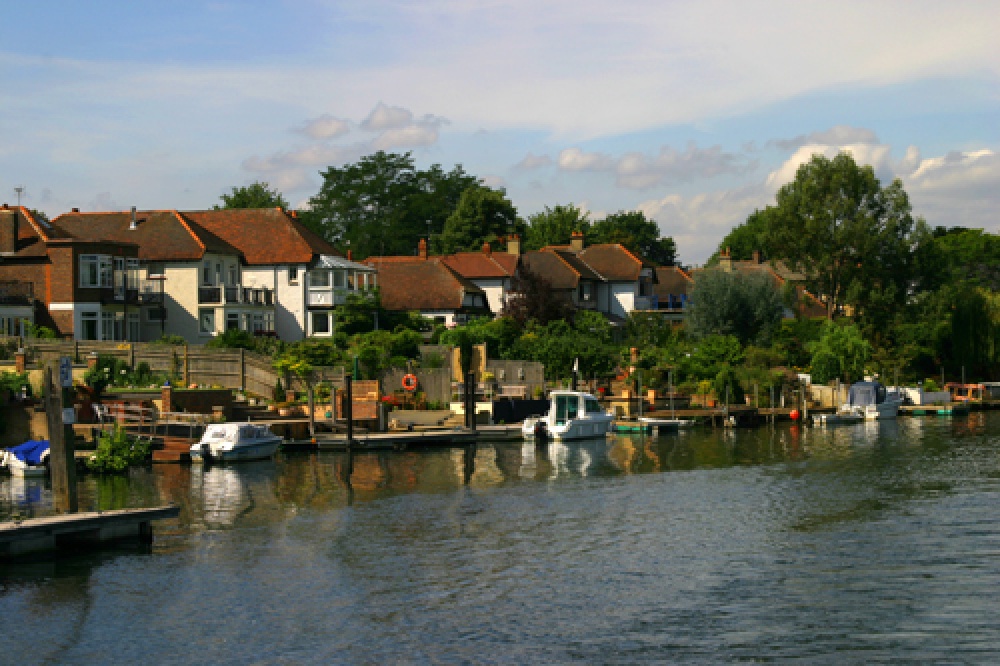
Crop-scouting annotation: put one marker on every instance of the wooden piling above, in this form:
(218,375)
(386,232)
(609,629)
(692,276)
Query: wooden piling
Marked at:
(62,457)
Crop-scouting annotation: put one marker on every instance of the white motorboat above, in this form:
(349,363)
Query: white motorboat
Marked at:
(231,442)
(839,417)
(27,460)
(872,401)
(571,415)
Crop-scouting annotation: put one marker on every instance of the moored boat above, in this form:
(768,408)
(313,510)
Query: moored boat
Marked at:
(231,442)
(872,401)
(28,459)
(571,415)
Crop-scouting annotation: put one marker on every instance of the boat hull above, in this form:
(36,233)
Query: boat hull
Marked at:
(573,429)
(259,450)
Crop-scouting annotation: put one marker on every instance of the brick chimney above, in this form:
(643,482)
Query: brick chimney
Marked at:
(514,245)
(422,249)
(487,250)
(8,230)
(726,260)
(756,256)
(350,255)
(576,242)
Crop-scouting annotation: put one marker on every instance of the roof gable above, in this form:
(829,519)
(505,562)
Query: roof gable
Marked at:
(422,284)
(265,235)
(613,262)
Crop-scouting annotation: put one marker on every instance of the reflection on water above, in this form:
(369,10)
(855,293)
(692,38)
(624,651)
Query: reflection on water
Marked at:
(872,542)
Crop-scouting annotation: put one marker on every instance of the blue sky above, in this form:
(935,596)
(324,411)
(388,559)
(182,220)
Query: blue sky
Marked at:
(694,112)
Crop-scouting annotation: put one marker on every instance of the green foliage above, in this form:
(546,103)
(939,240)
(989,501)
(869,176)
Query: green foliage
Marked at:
(11,382)
(710,356)
(727,386)
(638,234)
(746,306)
(42,332)
(117,451)
(554,226)
(747,238)
(853,237)
(532,299)
(648,329)
(966,256)
(792,338)
(382,204)
(483,215)
(170,339)
(237,339)
(841,352)
(558,344)
(254,195)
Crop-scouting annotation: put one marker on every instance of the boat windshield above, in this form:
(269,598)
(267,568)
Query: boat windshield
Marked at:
(567,407)
(593,407)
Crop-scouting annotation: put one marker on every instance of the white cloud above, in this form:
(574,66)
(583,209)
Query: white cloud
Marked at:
(574,159)
(532,161)
(496,182)
(638,171)
(837,135)
(325,127)
(384,117)
(958,189)
(877,156)
(406,137)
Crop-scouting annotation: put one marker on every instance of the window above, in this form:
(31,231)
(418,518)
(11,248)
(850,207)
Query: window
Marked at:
(258,322)
(155,269)
(319,278)
(206,273)
(107,326)
(88,326)
(232,321)
(234,275)
(268,321)
(586,291)
(156,314)
(593,407)
(339,279)
(320,323)
(206,321)
(293,274)
(133,326)
(95,270)
(247,321)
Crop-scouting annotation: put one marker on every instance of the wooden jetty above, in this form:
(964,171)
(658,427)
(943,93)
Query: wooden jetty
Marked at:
(68,532)
(387,441)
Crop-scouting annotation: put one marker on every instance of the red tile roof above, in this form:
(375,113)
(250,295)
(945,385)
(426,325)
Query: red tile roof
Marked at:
(482,264)
(551,267)
(671,281)
(612,261)
(264,235)
(420,284)
(162,235)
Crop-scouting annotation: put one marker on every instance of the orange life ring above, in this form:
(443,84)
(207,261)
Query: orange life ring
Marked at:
(410,382)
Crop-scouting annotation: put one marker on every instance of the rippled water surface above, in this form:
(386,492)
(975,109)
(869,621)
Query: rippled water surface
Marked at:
(859,544)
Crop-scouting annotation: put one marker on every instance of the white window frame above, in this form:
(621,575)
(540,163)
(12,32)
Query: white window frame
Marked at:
(203,320)
(328,316)
(319,278)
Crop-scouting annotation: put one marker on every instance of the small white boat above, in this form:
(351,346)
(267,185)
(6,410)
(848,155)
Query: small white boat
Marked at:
(571,415)
(872,401)
(231,442)
(665,425)
(27,460)
(838,418)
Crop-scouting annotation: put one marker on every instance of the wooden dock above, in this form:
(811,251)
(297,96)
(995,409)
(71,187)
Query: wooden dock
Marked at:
(74,531)
(389,441)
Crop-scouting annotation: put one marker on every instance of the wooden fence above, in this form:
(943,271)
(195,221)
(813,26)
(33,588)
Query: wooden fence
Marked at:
(188,364)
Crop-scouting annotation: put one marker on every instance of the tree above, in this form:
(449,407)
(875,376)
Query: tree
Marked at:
(532,299)
(254,195)
(849,235)
(746,306)
(554,226)
(748,237)
(841,352)
(637,233)
(383,204)
(483,215)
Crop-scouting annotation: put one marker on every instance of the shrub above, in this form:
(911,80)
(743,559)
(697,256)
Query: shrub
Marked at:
(117,451)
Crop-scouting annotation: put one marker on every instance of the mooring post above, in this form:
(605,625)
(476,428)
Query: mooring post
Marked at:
(349,411)
(470,401)
(312,410)
(62,457)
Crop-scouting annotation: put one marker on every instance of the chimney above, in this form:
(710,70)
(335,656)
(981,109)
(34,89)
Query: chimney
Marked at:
(422,249)
(514,245)
(350,255)
(756,256)
(75,210)
(132,222)
(8,230)
(294,214)
(487,250)
(576,242)
(726,261)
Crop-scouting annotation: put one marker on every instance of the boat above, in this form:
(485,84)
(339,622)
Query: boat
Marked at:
(27,460)
(871,400)
(840,417)
(231,442)
(571,415)
(666,425)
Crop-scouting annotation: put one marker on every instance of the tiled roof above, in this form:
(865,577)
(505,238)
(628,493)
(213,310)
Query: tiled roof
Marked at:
(482,264)
(31,234)
(264,235)
(162,235)
(420,284)
(671,280)
(551,267)
(613,262)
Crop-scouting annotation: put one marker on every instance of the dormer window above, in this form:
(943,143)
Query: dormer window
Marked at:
(293,275)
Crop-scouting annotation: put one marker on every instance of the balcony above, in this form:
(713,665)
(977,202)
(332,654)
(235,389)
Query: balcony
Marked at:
(330,296)
(17,293)
(133,292)
(235,295)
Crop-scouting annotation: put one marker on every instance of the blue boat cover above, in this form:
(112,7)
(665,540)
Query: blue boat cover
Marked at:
(31,452)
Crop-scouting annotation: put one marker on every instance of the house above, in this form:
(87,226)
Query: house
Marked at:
(308,277)
(493,272)
(671,292)
(196,275)
(428,285)
(606,277)
(86,288)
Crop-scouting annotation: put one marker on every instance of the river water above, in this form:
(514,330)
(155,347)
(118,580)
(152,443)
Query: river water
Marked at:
(857,544)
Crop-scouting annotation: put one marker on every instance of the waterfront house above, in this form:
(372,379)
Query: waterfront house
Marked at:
(86,288)
(191,278)
(308,277)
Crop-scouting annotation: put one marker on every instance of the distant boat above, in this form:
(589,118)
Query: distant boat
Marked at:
(28,459)
(231,442)
(571,415)
(872,401)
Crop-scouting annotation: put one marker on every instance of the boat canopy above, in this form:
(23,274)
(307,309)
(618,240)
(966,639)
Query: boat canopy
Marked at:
(31,452)
(863,394)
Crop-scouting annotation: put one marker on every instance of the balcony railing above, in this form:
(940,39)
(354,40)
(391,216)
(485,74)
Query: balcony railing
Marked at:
(135,292)
(17,293)
(236,295)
